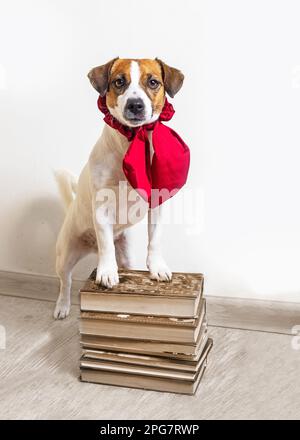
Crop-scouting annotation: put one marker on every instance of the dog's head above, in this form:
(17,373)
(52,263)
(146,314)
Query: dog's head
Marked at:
(135,89)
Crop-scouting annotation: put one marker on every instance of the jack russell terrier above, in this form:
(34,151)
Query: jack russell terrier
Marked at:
(134,143)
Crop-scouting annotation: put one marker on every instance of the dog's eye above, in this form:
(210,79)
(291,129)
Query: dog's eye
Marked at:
(119,83)
(153,83)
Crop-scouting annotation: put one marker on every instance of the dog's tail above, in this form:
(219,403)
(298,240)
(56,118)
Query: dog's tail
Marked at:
(67,186)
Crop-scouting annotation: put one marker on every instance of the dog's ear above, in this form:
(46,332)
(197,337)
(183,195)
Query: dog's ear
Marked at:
(173,78)
(99,77)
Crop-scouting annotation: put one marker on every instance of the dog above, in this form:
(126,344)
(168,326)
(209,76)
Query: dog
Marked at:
(135,92)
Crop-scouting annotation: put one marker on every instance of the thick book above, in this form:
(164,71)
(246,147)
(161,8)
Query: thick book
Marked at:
(137,294)
(143,382)
(144,361)
(169,349)
(153,328)
(144,376)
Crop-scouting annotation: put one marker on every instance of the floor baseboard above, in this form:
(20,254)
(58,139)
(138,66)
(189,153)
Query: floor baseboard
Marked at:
(244,314)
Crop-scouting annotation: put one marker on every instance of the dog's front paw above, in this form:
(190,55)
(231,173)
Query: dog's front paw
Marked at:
(62,309)
(158,268)
(107,277)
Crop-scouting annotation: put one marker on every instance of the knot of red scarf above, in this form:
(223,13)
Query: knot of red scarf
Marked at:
(158,179)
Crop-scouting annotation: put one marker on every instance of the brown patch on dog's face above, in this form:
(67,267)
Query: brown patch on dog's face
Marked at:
(119,81)
(135,89)
(151,81)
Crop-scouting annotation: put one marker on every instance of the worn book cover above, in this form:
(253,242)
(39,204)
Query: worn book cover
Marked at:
(136,293)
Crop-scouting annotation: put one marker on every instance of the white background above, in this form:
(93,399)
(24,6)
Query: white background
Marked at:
(239,111)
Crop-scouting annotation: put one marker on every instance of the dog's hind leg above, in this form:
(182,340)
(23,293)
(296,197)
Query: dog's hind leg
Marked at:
(68,252)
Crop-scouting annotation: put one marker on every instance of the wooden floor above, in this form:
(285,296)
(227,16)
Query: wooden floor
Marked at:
(251,374)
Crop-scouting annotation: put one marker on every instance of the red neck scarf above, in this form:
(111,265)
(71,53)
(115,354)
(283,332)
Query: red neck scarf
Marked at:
(157,180)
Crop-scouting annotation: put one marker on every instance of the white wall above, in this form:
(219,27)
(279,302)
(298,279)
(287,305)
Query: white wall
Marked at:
(238,111)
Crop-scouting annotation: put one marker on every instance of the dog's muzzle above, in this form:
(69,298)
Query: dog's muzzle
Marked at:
(134,110)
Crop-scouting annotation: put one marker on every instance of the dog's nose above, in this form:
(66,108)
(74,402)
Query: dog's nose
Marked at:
(135,106)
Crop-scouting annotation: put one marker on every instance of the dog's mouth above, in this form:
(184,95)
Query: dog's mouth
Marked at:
(135,120)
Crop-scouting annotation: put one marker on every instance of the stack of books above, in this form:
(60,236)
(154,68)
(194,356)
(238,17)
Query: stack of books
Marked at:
(143,333)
